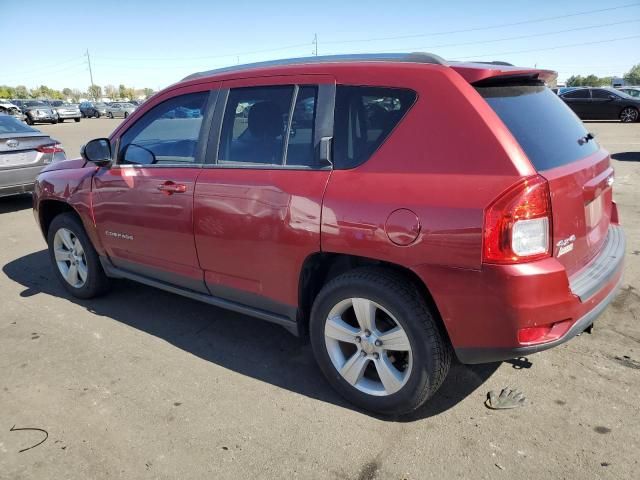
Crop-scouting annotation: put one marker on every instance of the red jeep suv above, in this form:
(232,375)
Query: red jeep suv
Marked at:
(397,209)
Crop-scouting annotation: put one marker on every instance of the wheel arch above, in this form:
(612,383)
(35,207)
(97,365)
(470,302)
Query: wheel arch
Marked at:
(49,209)
(321,267)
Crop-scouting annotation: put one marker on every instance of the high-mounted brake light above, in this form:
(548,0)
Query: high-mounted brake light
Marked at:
(54,148)
(517,225)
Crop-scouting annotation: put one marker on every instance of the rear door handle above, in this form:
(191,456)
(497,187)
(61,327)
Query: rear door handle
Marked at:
(169,187)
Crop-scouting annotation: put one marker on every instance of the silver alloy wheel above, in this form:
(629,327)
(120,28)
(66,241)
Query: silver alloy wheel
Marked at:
(368,347)
(70,258)
(629,115)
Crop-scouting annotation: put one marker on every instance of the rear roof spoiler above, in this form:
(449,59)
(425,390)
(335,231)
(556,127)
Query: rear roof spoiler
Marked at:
(475,72)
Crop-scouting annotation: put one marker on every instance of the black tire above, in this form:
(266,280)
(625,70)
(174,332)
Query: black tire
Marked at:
(97,282)
(109,115)
(60,120)
(77,120)
(430,347)
(629,115)
(97,115)
(126,114)
(29,120)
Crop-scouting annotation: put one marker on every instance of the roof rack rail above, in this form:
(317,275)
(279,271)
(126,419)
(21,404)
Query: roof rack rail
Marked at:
(498,62)
(414,57)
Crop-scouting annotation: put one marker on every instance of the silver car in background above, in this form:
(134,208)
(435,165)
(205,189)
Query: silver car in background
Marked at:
(37,111)
(66,111)
(120,109)
(24,151)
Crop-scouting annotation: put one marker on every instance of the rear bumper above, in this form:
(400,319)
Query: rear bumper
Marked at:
(484,310)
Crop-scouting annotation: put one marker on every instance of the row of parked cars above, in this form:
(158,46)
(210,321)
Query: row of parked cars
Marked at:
(57,111)
(603,103)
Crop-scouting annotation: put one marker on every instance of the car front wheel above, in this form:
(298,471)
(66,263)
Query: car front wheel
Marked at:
(75,261)
(629,114)
(377,342)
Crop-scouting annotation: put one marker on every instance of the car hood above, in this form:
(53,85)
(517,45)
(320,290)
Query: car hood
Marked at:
(68,165)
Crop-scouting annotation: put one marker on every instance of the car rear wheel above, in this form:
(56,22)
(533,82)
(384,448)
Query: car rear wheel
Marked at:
(629,114)
(29,120)
(75,261)
(109,115)
(77,120)
(97,115)
(377,342)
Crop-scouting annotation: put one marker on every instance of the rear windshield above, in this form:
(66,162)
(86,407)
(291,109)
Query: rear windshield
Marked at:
(9,124)
(548,131)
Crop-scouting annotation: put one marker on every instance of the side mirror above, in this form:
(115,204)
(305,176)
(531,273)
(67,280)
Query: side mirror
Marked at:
(612,97)
(97,151)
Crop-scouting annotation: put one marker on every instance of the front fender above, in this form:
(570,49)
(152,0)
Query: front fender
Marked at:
(66,186)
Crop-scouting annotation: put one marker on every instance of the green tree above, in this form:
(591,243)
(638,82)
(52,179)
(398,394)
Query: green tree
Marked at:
(122,91)
(67,92)
(7,91)
(95,92)
(632,77)
(574,81)
(76,95)
(22,92)
(147,92)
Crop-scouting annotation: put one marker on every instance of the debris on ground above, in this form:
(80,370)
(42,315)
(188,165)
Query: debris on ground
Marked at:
(507,399)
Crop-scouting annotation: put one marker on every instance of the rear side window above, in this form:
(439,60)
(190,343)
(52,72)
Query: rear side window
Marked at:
(547,130)
(269,126)
(364,117)
(582,93)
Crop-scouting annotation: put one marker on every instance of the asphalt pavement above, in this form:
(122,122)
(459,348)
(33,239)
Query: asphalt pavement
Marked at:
(144,384)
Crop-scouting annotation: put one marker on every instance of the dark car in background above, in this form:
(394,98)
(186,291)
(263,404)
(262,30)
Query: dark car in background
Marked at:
(602,103)
(93,109)
(38,111)
(24,151)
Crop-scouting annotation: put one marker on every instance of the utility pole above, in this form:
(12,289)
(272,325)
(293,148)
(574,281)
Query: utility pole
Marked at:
(90,72)
(315,43)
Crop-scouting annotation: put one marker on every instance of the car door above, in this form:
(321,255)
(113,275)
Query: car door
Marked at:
(579,101)
(604,104)
(258,203)
(143,204)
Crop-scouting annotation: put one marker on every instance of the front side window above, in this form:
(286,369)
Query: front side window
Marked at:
(164,136)
(364,117)
(268,126)
(598,93)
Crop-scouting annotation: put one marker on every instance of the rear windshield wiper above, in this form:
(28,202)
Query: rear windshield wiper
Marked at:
(586,138)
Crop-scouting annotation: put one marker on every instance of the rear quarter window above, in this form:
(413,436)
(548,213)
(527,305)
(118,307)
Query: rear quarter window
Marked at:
(544,126)
(364,118)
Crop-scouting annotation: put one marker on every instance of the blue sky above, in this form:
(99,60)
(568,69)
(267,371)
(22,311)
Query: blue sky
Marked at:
(155,43)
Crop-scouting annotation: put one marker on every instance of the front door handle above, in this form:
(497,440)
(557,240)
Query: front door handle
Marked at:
(169,187)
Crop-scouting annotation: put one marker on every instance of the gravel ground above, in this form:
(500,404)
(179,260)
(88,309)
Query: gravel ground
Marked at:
(143,384)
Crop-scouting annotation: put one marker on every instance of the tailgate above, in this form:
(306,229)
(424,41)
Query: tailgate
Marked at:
(561,150)
(581,199)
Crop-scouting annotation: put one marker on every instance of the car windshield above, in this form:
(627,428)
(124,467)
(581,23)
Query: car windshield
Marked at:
(127,105)
(100,104)
(35,104)
(9,124)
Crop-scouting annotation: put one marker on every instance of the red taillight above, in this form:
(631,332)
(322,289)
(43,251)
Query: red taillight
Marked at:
(517,225)
(543,333)
(54,148)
